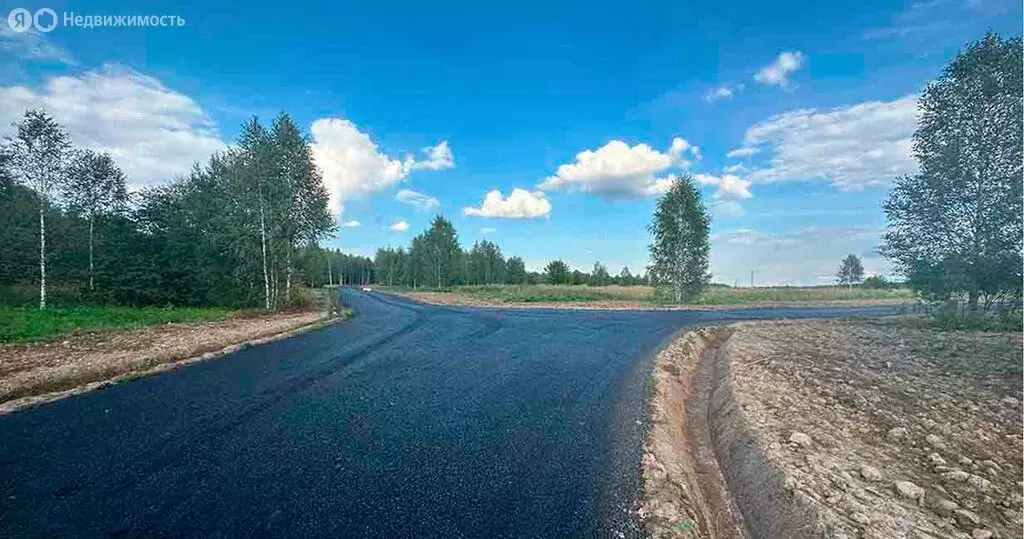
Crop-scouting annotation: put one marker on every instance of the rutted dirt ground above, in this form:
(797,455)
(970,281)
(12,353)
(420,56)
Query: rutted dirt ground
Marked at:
(867,428)
(465,300)
(29,370)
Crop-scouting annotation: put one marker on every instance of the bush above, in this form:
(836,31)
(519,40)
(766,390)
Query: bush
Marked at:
(951,316)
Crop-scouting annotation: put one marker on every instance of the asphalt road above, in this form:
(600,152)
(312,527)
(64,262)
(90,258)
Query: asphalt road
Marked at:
(407,420)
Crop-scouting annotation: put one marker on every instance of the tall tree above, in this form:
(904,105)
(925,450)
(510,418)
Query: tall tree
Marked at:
(38,158)
(516,271)
(256,155)
(95,186)
(955,227)
(557,272)
(438,253)
(680,251)
(851,271)
(303,217)
(599,275)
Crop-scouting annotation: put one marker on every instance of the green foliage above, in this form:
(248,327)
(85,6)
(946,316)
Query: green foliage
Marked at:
(599,275)
(950,316)
(516,273)
(681,247)
(228,233)
(878,282)
(557,272)
(955,228)
(29,324)
(851,271)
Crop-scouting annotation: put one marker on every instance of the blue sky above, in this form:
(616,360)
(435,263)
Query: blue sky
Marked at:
(585,108)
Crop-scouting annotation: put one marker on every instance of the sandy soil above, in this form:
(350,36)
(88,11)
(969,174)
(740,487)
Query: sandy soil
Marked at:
(457,299)
(888,431)
(28,371)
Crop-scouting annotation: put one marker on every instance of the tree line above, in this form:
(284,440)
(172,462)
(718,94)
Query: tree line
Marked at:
(435,259)
(231,232)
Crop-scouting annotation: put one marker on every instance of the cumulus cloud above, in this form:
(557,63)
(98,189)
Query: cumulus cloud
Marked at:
(520,204)
(420,201)
(353,165)
(399,226)
(153,132)
(724,91)
(618,170)
(851,147)
(777,73)
(351,224)
(727,186)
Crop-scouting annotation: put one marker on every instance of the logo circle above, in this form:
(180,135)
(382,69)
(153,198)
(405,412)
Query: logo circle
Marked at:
(19,19)
(44,11)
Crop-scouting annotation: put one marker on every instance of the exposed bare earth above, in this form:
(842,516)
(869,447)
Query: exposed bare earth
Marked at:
(863,428)
(465,300)
(31,373)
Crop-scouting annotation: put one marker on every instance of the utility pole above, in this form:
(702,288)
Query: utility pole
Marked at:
(751,278)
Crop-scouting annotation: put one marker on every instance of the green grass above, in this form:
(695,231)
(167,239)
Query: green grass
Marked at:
(24,324)
(542,293)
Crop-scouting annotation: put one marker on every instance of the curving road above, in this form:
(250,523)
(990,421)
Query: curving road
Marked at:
(407,420)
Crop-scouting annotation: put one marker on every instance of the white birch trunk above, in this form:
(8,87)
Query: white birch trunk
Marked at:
(263,242)
(92,284)
(42,253)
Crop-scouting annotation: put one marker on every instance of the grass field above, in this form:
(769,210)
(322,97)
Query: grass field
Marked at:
(26,324)
(542,293)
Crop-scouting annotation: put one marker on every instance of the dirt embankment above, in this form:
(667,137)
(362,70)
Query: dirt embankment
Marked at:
(836,429)
(34,373)
(466,300)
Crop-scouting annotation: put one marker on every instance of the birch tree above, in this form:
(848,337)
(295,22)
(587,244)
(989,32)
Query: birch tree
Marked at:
(38,158)
(254,142)
(680,251)
(95,186)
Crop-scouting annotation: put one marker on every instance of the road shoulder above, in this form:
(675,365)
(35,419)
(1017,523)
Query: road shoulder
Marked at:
(33,374)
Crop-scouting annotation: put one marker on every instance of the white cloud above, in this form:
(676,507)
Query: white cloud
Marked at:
(438,158)
(852,147)
(351,224)
(32,45)
(728,187)
(487,230)
(420,201)
(618,170)
(153,132)
(777,73)
(724,91)
(353,164)
(741,152)
(520,204)
(399,226)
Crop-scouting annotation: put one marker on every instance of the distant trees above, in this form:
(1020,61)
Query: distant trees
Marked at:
(38,157)
(557,272)
(851,271)
(680,251)
(954,229)
(516,273)
(485,264)
(438,254)
(599,275)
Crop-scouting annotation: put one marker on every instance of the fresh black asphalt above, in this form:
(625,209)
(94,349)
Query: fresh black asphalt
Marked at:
(407,420)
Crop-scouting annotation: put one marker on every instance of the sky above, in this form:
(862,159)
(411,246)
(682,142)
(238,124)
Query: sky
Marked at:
(549,128)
